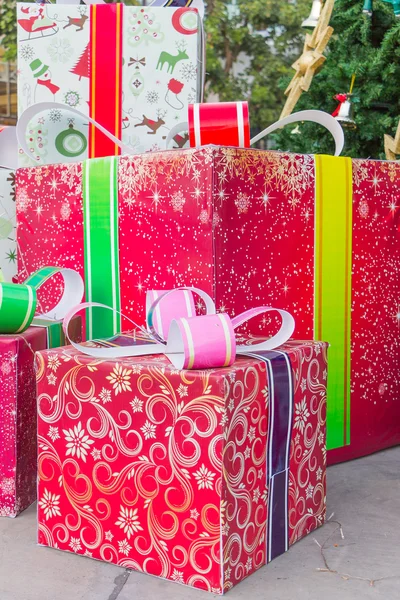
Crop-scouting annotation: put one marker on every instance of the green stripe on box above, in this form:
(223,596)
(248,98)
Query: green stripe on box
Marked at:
(100,201)
(54,331)
(332,310)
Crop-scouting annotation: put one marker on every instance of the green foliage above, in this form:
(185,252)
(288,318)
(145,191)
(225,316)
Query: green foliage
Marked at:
(370,48)
(242,64)
(8,29)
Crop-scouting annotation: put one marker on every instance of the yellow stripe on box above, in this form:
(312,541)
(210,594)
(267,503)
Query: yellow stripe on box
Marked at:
(332,297)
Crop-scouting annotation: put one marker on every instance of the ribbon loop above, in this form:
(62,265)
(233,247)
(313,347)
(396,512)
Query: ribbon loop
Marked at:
(228,124)
(193,342)
(18,301)
(158,322)
(35,109)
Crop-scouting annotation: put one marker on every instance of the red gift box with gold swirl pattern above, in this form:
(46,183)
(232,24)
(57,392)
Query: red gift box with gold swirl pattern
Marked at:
(199,477)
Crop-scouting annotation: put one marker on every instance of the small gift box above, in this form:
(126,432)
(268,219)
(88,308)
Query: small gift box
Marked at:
(200,477)
(22,336)
(18,422)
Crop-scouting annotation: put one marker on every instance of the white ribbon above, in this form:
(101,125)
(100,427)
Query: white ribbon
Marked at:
(9,148)
(36,109)
(173,346)
(314,116)
(74,290)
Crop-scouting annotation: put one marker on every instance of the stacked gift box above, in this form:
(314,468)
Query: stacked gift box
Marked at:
(204,470)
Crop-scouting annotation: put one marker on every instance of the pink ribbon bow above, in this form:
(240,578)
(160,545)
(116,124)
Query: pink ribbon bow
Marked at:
(193,342)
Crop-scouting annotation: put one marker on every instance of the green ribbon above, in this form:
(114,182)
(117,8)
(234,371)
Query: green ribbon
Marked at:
(100,211)
(18,301)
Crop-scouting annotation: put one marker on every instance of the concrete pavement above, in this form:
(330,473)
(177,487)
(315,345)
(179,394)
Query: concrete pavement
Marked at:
(364,496)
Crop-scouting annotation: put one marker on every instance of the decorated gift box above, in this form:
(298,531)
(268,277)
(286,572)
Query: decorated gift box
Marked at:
(197,476)
(71,53)
(318,236)
(21,338)
(18,444)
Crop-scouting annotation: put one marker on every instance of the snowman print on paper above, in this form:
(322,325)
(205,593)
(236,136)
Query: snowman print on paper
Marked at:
(45,89)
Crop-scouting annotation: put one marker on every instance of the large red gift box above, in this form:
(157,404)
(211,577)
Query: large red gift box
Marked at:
(200,477)
(317,236)
(18,422)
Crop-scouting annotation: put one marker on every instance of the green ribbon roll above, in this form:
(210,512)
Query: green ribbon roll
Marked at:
(18,301)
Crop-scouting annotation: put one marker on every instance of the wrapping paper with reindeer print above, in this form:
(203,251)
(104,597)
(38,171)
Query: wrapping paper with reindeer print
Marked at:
(198,477)
(249,228)
(134,70)
(18,414)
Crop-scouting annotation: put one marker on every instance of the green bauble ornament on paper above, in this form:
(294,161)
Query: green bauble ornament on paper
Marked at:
(71,143)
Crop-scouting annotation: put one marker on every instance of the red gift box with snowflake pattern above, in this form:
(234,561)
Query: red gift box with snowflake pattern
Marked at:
(199,477)
(317,236)
(18,422)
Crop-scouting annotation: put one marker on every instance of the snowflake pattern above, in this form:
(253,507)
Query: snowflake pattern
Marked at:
(75,544)
(65,211)
(77,442)
(72,98)
(136,405)
(60,50)
(105,395)
(53,362)
(120,379)
(50,504)
(205,478)
(242,203)
(7,486)
(178,201)
(149,430)
(124,547)
(177,576)
(96,454)
(182,390)
(128,520)
(188,71)
(55,115)
(52,379)
(152,97)
(53,433)
(309,490)
(301,415)
(26,53)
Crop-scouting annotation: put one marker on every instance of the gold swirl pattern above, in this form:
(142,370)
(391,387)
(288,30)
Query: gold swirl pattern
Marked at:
(169,475)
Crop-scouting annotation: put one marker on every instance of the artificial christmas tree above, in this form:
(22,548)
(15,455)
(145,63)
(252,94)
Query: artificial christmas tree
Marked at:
(367,46)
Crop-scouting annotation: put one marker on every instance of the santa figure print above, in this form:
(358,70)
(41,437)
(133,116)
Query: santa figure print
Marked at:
(45,89)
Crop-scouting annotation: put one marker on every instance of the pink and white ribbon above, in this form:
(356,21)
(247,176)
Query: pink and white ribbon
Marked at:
(193,342)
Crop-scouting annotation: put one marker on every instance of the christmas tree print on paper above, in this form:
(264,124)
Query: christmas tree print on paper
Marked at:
(144,29)
(82,67)
(37,141)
